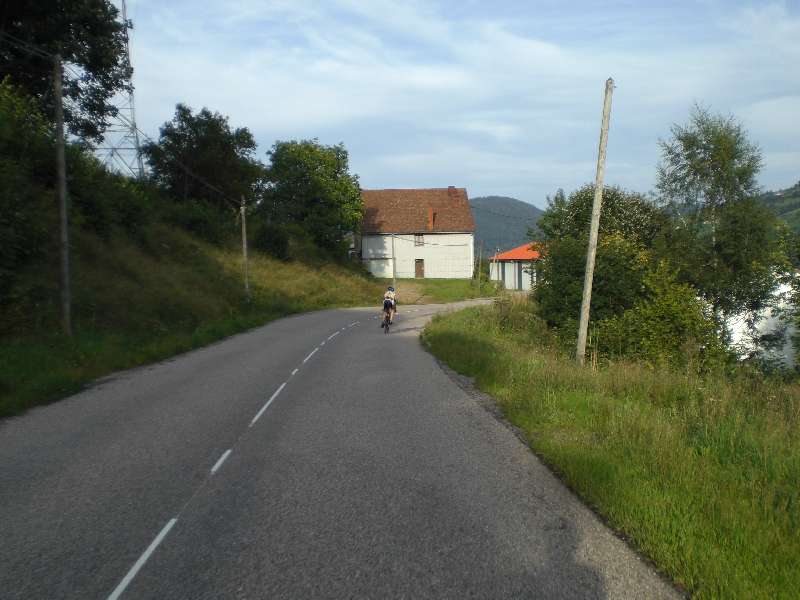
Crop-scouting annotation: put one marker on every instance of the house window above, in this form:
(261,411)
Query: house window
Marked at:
(419,240)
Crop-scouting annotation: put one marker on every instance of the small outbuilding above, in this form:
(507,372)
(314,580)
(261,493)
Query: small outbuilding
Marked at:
(514,268)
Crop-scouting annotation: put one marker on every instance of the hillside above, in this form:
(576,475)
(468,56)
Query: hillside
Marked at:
(786,204)
(139,300)
(502,222)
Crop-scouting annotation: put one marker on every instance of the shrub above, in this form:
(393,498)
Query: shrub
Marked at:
(671,326)
(272,239)
(620,269)
(201,218)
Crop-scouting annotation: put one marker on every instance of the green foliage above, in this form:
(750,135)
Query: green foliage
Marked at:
(25,208)
(272,239)
(620,269)
(730,245)
(136,304)
(198,157)
(626,213)
(90,35)
(209,221)
(708,162)
(700,473)
(310,185)
(668,326)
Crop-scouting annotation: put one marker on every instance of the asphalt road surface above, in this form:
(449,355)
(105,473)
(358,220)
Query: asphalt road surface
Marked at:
(314,457)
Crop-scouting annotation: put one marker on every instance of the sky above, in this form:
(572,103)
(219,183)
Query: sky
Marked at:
(502,98)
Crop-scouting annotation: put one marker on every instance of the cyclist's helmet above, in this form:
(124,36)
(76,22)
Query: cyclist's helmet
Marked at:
(390,289)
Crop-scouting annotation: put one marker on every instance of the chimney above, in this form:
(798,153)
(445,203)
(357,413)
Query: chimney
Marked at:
(430,218)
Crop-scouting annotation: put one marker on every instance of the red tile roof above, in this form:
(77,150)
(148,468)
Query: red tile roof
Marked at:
(417,211)
(524,252)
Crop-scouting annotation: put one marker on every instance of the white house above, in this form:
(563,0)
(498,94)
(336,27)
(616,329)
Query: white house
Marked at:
(418,233)
(514,268)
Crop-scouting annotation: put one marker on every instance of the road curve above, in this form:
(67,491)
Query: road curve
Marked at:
(313,457)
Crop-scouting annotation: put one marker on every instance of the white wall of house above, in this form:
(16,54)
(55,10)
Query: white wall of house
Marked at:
(514,274)
(445,255)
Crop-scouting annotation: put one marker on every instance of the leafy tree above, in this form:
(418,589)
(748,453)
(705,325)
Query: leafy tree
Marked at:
(26,151)
(89,35)
(620,268)
(199,157)
(709,162)
(627,213)
(667,325)
(723,242)
(310,184)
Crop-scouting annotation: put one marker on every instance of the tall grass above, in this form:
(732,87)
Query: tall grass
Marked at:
(137,301)
(701,473)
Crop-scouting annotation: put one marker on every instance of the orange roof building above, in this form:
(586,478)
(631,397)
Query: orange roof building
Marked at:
(514,268)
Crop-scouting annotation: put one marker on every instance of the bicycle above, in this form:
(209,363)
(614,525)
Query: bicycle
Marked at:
(386,322)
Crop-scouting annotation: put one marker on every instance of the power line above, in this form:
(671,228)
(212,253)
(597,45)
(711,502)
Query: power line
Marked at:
(25,46)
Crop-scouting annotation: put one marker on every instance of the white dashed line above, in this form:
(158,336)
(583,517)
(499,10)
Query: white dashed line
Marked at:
(333,335)
(313,352)
(142,559)
(322,343)
(266,406)
(221,460)
(295,372)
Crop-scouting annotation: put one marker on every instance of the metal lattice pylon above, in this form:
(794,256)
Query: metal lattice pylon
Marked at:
(121,150)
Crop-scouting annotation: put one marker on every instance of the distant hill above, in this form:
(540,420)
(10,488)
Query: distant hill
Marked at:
(502,222)
(786,204)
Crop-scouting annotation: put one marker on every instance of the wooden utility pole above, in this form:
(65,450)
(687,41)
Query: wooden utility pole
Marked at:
(480,266)
(580,352)
(244,251)
(394,266)
(63,214)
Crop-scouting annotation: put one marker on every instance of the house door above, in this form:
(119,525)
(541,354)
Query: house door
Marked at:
(419,268)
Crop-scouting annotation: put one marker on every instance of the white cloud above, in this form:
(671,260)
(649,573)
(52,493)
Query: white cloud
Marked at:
(482,101)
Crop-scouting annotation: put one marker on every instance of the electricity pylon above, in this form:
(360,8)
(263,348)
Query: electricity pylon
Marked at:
(121,150)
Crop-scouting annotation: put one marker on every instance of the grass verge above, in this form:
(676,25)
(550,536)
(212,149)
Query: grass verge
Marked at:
(140,301)
(440,291)
(701,474)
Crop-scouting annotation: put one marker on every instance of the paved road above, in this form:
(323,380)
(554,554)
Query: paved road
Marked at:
(371,474)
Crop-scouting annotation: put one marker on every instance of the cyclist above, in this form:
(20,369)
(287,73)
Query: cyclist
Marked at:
(389,304)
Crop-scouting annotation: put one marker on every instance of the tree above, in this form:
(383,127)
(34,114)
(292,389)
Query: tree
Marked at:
(89,35)
(620,270)
(310,184)
(199,157)
(627,213)
(723,242)
(708,163)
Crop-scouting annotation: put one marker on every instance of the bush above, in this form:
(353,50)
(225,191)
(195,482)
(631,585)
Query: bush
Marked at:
(272,239)
(670,326)
(203,219)
(27,206)
(619,274)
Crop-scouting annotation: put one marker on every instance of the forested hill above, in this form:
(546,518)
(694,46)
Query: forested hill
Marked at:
(502,222)
(786,204)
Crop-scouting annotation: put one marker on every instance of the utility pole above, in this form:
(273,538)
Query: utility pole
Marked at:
(394,266)
(243,211)
(580,352)
(61,184)
(480,265)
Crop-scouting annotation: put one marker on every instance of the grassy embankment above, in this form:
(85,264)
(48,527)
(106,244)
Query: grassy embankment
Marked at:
(138,301)
(439,291)
(701,474)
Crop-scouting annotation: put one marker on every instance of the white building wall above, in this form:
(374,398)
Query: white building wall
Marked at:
(514,275)
(446,255)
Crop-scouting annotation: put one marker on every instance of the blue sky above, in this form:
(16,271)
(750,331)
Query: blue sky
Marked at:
(498,97)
